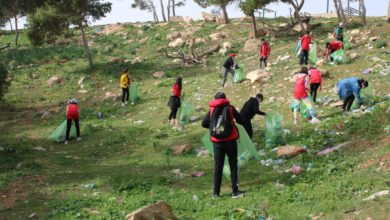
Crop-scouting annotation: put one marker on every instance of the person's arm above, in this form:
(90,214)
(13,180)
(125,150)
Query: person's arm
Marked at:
(356,93)
(327,54)
(206,121)
(256,109)
(237,116)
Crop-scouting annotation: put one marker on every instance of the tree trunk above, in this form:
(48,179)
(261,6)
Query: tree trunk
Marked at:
(336,6)
(86,46)
(173,7)
(225,15)
(342,14)
(162,11)
(16,31)
(169,10)
(255,34)
(10,24)
(363,12)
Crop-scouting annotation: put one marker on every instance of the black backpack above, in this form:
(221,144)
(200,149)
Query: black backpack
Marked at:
(221,125)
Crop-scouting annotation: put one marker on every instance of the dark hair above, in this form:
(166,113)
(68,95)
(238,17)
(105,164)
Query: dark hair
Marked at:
(312,67)
(363,82)
(126,70)
(260,96)
(307,32)
(179,82)
(304,70)
(327,44)
(263,39)
(220,95)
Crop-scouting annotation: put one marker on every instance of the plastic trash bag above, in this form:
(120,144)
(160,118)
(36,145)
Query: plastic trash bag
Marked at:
(134,92)
(346,44)
(302,108)
(246,150)
(59,133)
(339,56)
(185,113)
(313,57)
(238,75)
(274,135)
(367,98)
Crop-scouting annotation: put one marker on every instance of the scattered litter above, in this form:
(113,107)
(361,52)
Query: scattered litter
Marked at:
(270,162)
(194,118)
(19,165)
(197,174)
(286,131)
(367,71)
(90,186)
(296,169)
(33,215)
(378,194)
(177,172)
(195,197)
(261,153)
(99,115)
(290,151)
(139,122)
(202,153)
(39,148)
(331,149)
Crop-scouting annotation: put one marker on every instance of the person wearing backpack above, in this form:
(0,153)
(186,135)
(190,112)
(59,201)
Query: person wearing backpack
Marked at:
(301,96)
(228,67)
(249,110)
(72,114)
(174,101)
(315,82)
(124,83)
(220,120)
(265,51)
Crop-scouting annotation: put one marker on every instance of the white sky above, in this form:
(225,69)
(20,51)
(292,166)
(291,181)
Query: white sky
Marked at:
(122,11)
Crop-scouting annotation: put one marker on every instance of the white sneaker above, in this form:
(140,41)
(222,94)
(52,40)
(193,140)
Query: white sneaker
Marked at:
(123,104)
(126,103)
(132,103)
(315,121)
(66,142)
(79,139)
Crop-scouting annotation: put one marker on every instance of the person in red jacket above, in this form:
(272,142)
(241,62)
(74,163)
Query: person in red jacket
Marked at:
(72,114)
(315,79)
(265,51)
(174,101)
(331,47)
(305,48)
(224,146)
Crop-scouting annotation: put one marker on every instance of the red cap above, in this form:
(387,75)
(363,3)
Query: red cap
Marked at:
(233,55)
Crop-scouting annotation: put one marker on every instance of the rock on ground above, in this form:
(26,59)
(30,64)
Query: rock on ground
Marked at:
(290,151)
(54,80)
(182,148)
(80,82)
(159,74)
(176,43)
(258,76)
(160,210)
(173,36)
(217,36)
(252,45)
(208,17)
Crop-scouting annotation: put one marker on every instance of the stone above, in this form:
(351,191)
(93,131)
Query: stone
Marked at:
(39,148)
(353,56)
(194,118)
(252,45)
(217,36)
(220,27)
(336,104)
(200,40)
(54,80)
(260,33)
(290,151)
(116,60)
(144,40)
(116,29)
(188,20)
(374,38)
(258,76)
(283,25)
(159,74)
(140,32)
(173,36)
(298,27)
(110,95)
(208,17)
(137,60)
(203,153)
(82,91)
(355,32)
(34,76)
(80,82)
(182,148)
(46,115)
(159,210)
(320,62)
(220,20)
(176,43)
(284,58)
(176,19)
(375,59)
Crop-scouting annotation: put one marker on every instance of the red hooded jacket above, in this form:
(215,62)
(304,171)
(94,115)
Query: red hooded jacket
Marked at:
(218,102)
(315,76)
(334,45)
(176,91)
(72,112)
(265,49)
(300,87)
(305,42)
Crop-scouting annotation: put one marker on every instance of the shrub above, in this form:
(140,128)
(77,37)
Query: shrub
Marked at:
(4,83)
(380,44)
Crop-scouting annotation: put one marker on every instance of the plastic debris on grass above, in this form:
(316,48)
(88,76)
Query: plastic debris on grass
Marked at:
(378,194)
(328,150)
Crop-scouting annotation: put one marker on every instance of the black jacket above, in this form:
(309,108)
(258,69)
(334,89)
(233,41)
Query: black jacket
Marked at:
(236,115)
(229,63)
(250,109)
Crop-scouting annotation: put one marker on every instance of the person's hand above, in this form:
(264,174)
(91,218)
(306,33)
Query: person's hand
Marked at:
(363,107)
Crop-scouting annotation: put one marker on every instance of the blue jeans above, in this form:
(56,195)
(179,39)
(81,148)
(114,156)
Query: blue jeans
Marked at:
(304,57)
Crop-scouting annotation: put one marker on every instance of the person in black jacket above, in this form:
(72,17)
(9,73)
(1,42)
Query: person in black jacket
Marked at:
(249,110)
(228,66)
(224,146)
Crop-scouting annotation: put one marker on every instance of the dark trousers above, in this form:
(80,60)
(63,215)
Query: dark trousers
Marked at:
(248,128)
(173,113)
(125,94)
(69,125)
(220,150)
(304,57)
(263,60)
(313,90)
(331,58)
(348,103)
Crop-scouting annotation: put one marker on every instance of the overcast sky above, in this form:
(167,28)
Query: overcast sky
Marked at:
(122,12)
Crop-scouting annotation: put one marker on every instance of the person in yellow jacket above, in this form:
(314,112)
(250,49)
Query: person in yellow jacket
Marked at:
(124,83)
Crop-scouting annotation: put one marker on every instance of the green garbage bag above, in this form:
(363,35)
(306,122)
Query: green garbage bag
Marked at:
(302,108)
(313,57)
(185,112)
(273,130)
(346,44)
(246,149)
(134,92)
(238,75)
(367,97)
(59,133)
(339,56)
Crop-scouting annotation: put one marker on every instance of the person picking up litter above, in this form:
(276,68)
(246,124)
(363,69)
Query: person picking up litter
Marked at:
(72,114)
(228,67)
(249,110)
(174,102)
(348,89)
(332,47)
(315,82)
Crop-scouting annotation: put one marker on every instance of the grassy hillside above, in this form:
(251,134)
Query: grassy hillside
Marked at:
(129,165)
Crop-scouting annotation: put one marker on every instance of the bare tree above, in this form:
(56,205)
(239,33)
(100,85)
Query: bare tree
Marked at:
(362,12)
(340,11)
(163,11)
(146,5)
(297,8)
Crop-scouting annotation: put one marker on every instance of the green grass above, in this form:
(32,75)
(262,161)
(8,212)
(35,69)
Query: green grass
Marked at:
(130,164)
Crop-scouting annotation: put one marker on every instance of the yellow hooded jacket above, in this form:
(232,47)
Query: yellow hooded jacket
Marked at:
(125,80)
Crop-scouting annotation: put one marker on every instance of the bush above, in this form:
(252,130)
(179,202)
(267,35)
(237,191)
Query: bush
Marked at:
(380,44)
(4,83)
